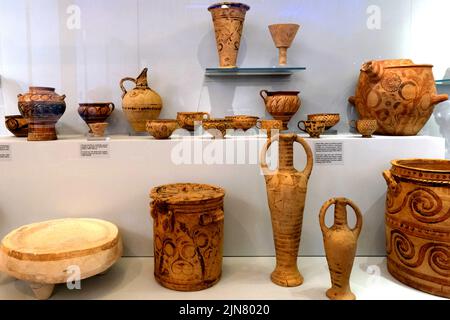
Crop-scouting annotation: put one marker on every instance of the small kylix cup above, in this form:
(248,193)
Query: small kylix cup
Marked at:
(162,129)
(270,126)
(314,128)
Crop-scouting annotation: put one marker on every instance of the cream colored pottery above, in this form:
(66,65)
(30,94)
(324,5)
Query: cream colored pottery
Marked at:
(44,253)
(98,129)
(283,35)
(140,104)
(162,129)
(282,105)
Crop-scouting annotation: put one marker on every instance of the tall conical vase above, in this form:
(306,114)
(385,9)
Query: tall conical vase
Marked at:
(286,191)
(228,19)
(340,246)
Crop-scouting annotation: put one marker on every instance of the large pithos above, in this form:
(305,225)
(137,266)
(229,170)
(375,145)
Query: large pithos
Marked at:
(286,191)
(399,94)
(418,224)
(188,235)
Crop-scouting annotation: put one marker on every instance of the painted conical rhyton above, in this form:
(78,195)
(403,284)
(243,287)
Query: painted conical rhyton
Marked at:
(140,104)
(283,35)
(340,246)
(286,191)
(228,19)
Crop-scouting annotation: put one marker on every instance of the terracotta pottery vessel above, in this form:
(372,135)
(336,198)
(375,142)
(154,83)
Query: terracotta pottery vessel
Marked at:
(365,127)
(399,94)
(282,105)
(188,120)
(42,108)
(98,129)
(188,235)
(228,19)
(271,127)
(242,122)
(283,35)
(340,246)
(418,224)
(17,125)
(314,128)
(330,119)
(45,254)
(217,127)
(95,112)
(286,191)
(162,129)
(140,104)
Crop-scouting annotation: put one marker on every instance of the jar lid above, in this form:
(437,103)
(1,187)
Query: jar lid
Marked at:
(186,193)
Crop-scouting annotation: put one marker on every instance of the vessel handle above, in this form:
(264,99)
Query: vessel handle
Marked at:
(439,98)
(113,107)
(208,218)
(392,183)
(352,101)
(374,71)
(309,156)
(298,125)
(265,168)
(323,212)
(264,94)
(123,87)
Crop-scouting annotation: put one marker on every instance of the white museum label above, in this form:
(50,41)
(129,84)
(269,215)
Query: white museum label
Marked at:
(329,153)
(93,150)
(5,152)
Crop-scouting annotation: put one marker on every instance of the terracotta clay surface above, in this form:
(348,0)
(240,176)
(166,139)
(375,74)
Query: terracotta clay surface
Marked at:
(340,246)
(162,129)
(98,129)
(217,127)
(365,127)
(271,127)
(282,105)
(42,253)
(95,112)
(228,19)
(283,35)
(399,94)
(314,128)
(42,108)
(187,120)
(418,224)
(188,235)
(286,192)
(330,119)
(17,125)
(140,104)
(242,122)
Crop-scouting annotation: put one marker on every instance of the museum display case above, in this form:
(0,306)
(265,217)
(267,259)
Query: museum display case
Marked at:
(238,146)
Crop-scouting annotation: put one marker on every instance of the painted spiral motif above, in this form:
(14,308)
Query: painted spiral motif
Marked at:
(404,248)
(424,205)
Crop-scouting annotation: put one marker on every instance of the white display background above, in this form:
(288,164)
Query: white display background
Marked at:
(113,39)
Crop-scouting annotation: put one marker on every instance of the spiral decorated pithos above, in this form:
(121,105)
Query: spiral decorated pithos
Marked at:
(418,224)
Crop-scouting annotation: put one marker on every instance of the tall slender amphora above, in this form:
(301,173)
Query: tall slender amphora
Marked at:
(286,190)
(340,246)
(228,19)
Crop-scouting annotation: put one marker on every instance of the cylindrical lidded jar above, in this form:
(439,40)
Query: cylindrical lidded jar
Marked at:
(188,235)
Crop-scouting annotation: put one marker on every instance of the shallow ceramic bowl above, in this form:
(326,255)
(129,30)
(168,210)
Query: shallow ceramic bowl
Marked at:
(187,120)
(330,119)
(17,125)
(162,129)
(242,122)
(221,125)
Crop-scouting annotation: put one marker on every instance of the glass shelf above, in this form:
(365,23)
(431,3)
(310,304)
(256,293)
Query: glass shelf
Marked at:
(444,82)
(269,71)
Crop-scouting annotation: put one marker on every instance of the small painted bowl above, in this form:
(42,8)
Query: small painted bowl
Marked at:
(187,120)
(365,127)
(330,119)
(242,122)
(95,112)
(162,129)
(17,125)
(217,127)
(314,128)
